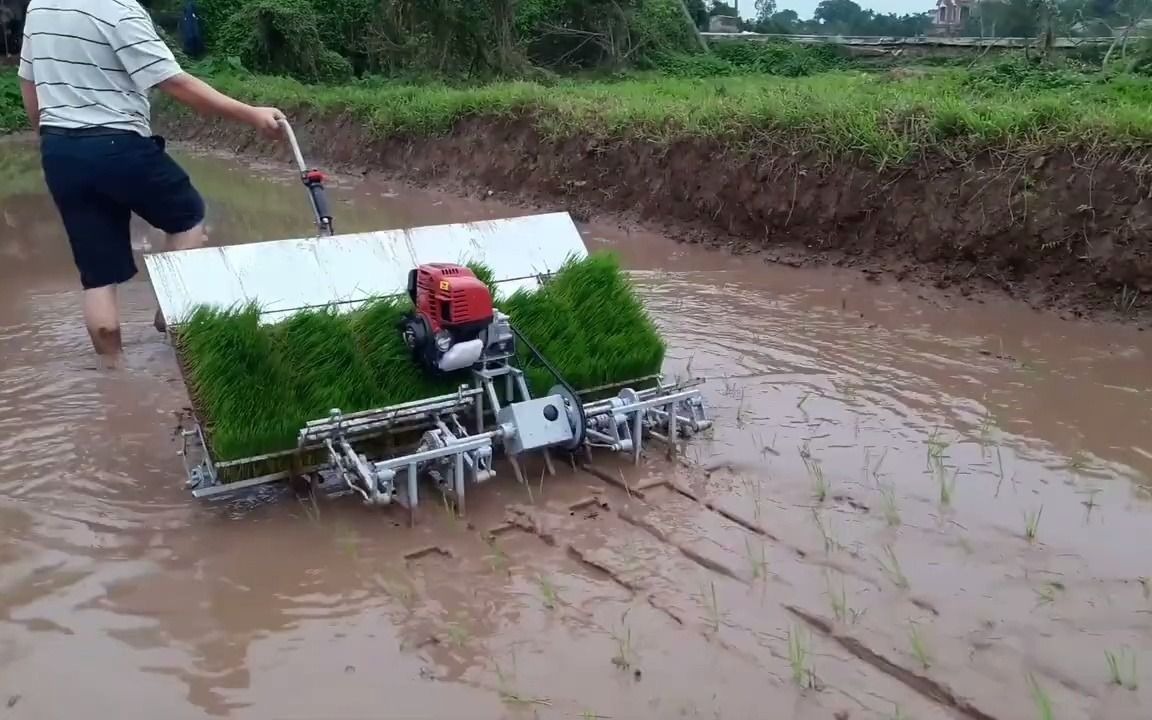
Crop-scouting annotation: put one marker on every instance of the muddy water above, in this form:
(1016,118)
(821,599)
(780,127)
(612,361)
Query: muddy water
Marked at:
(851,541)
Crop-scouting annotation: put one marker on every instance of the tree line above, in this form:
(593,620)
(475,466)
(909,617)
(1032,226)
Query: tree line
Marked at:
(335,40)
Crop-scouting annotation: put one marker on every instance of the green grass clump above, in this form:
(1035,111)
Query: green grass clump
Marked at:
(256,385)
(887,118)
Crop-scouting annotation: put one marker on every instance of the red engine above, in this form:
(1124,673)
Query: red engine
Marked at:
(451,307)
(449,296)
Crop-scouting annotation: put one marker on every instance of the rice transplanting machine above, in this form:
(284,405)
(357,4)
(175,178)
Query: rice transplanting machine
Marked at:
(453,327)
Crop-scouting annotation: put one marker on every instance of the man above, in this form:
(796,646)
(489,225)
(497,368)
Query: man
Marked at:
(86,70)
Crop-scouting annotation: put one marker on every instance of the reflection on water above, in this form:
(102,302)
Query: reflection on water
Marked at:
(110,577)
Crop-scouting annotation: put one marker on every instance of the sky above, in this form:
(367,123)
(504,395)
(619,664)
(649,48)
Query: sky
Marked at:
(805,8)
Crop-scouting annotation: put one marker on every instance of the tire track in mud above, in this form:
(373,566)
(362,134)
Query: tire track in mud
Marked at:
(680,565)
(992,685)
(718,612)
(588,610)
(926,686)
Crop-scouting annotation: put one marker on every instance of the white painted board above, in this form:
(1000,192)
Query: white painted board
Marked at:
(284,276)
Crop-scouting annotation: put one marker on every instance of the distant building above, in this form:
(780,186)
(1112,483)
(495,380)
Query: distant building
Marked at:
(723,24)
(952,15)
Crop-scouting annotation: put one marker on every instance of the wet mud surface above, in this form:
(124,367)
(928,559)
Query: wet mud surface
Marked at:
(852,540)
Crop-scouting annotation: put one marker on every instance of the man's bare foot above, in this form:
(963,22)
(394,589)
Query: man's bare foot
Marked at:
(159,323)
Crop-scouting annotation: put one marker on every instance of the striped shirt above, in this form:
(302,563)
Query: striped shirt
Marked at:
(94,62)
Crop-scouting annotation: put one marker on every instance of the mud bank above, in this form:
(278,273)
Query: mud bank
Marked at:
(1067,230)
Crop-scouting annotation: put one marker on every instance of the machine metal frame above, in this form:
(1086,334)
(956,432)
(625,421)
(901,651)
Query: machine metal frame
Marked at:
(447,453)
(344,451)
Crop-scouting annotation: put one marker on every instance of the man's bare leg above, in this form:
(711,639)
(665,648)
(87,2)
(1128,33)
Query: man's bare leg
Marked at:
(194,238)
(102,316)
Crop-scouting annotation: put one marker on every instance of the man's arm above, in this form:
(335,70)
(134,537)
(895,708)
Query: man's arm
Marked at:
(151,64)
(204,99)
(28,85)
(31,102)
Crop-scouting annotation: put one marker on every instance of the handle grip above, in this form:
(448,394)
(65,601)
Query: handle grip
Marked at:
(313,180)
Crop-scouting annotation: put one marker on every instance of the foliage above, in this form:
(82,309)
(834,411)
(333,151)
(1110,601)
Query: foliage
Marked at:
(256,385)
(469,38)
(743,58)
(12,116)
(781,58)
(282,37)
(1029,77)
(1142,58)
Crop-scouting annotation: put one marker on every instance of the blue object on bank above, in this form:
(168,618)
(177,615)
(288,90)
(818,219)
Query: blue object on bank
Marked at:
(193,39)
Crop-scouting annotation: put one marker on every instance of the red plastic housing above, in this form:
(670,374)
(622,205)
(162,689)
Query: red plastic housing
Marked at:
(451,296)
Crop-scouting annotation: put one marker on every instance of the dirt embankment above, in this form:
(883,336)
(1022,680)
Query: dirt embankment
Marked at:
(1070,229)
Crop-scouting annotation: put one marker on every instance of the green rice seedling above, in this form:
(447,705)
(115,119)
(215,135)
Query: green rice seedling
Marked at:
(1032,523)
(1040,699)
(625,656)
(1045,594)
(799,659)
(1123,673)
(890,506)
(826,532)
(238,381)
(328,370)
(947,485)
(755,489)
(890,564)
(395,375)
(815,473)
(1078,463)
(1146,587)
(838,598)
(937,446)
(458,634)
(511,696)
(986,429)
(800,405)
(757,560)
(548,593)
(878,465)
(1090,503)
(255,385)
(712,607)
(919,647)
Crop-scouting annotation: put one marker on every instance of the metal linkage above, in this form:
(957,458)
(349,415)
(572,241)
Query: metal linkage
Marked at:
(198,466)
(453,459)
(353,468)
(666,412)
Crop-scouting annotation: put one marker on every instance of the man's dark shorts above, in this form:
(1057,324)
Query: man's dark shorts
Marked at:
(98,180)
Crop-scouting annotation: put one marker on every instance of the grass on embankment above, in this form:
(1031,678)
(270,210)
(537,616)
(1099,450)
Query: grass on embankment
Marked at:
(887,117)
(255,385)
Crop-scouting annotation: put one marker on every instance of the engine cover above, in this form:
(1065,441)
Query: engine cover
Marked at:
(452,309)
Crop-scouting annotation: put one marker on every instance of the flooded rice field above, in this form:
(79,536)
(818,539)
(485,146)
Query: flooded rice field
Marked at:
(910,507)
